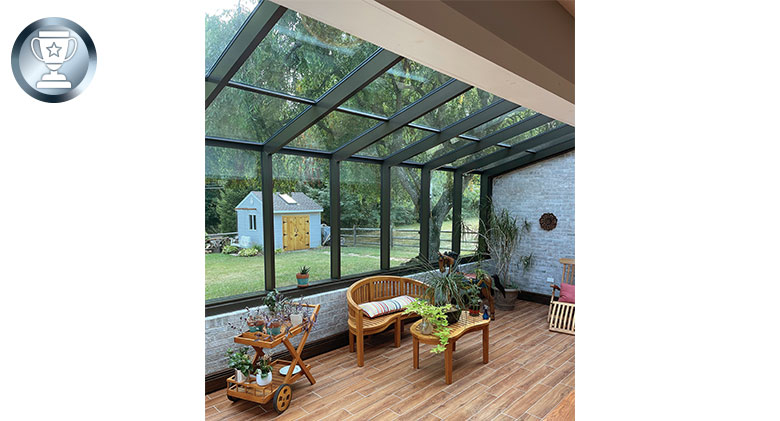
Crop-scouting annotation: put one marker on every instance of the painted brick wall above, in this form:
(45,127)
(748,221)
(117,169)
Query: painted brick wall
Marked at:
(332,320)
(546,186)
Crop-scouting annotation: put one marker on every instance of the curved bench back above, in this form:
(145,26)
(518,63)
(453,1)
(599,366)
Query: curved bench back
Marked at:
(377,288)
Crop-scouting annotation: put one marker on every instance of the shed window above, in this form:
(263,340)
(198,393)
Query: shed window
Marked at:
(252,222)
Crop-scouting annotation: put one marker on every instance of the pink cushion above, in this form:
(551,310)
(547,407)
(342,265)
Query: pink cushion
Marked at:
(567,293)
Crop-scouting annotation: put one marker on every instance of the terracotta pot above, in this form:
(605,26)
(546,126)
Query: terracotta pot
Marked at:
(303,280)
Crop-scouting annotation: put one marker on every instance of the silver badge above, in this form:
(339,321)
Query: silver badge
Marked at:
(53,59)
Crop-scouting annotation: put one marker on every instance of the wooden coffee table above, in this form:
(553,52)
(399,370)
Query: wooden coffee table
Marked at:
(465,324)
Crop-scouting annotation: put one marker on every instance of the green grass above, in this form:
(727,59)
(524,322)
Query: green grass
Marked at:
(228,275)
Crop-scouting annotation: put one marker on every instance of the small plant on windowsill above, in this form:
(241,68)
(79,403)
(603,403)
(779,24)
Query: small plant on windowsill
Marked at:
(303,277)
(239,361)
(434,321)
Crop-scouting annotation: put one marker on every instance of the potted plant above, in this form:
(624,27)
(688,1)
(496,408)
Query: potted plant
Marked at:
(264,374)
(434,321)
(273,325)
(296,313)
(450,288)
(239,361)
(475,304)
(303,277)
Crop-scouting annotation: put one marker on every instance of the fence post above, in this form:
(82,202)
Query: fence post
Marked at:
(391,235)
(354,235)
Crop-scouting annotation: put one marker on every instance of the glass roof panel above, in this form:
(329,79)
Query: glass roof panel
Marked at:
(334,130)
(393,142)
(439,150)
(223,20)
(484,152)
(533,132)
(501,122)
(238,114)
(303,57)
(403,84)
(460,107)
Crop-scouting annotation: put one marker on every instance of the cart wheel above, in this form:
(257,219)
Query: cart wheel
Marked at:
(232,399)
(282,398)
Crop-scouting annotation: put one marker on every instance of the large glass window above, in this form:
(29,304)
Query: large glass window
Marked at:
(404,215)
(359,217)
(439,150)
(470,214)
(232,196)
(303,57)
(440,238)
(533,132)
(394,142)
(301,217)
(223,20)
(484,152)
(334,130)
(500,122)
(456,109)
(243,115)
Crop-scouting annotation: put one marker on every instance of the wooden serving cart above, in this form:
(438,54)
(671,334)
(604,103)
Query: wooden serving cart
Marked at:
(279,389)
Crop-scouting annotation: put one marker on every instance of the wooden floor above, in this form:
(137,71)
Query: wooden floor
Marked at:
(531,371)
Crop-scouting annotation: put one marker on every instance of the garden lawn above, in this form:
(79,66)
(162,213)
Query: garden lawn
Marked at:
(228,275)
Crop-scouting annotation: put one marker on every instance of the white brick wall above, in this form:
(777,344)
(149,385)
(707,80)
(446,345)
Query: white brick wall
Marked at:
(331,320)
(546,186)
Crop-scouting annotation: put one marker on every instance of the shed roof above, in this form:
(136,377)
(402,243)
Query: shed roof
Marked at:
(305,203)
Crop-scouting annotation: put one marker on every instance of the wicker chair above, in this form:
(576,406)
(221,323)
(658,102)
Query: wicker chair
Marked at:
(561,315)
(377,288)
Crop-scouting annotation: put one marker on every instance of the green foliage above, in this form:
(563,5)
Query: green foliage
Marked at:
(264,366)
(436,316)
(446,288)
(249,252)
(502,238)
(239,360)
(277,303)
(257,247)
(304,270)
(229,249)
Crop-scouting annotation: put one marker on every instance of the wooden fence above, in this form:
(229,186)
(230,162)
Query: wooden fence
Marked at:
(399,237)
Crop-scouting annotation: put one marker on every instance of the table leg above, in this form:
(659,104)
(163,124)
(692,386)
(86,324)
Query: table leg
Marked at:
(415,352)
(453,347)
(351,341)
(448,364)
(485,343)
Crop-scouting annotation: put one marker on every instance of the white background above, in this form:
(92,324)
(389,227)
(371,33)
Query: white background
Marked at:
(101,216)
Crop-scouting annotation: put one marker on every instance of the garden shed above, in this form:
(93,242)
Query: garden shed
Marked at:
(296,221)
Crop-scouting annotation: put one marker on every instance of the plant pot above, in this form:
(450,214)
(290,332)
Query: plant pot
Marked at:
(426,328)
(303,280)
(274,330)
(240,377)
(508,302)
(296,319)
(453,316)
(262,381)
(473,312)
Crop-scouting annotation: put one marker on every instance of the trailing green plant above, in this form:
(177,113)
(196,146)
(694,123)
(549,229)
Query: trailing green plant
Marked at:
(436,316)
(248,252)
(230,249)
(239,360)
(304,270)
(264,366)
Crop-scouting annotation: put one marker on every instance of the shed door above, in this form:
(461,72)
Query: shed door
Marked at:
(295,232)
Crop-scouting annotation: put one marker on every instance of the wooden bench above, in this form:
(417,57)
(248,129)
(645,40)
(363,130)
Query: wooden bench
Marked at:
(377,288)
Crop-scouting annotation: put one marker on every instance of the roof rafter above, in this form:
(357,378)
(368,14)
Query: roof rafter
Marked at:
(530,159)
(456,129)
(252,32)
(373,67)
(558,133)
(433,99)
(506,133)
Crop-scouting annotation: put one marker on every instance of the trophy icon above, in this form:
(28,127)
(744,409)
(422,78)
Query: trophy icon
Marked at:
(54,46)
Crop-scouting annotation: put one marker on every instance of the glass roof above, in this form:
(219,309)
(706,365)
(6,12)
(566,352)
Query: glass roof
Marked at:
(223,19)
(500,122)
(334,130)
(401,85)
(238,114)
(393,142)
(303,57)
(533,132)
(484,152)
(458,108)
(440,150)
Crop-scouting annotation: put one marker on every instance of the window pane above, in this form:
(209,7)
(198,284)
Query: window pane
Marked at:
(464,105)
(223,20)
(359,217)
(394,142)
(300,224)
(303,57)
(404,215)
(484,152)
(531,133)
(334,130)
(500,122)
(441,212)
(239,114)
(439,150)
(470,215)
(231,177)
(403,84)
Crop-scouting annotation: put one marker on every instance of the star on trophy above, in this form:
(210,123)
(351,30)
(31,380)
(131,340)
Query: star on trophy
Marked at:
(54,49)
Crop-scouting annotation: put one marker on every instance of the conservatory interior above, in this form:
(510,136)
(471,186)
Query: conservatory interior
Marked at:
(383,241)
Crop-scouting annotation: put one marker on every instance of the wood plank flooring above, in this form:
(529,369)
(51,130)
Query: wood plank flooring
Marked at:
(531,372)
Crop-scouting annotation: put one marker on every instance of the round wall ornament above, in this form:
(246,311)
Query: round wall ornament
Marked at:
(548,221)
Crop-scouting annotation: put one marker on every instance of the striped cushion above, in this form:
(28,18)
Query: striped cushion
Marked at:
(378,308)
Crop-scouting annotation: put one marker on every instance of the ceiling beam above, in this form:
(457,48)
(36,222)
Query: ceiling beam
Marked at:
(365,73)
(502,135)
(559,133)
(496,109)
(530,159)
(256,27)
(433,99)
